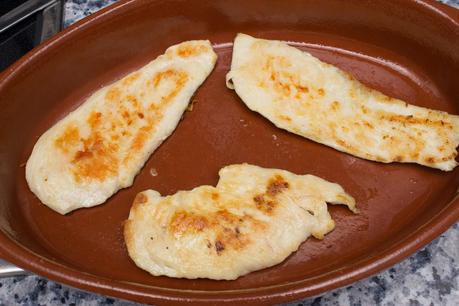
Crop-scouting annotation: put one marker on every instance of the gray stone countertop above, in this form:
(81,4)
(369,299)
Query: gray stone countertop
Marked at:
(428,277)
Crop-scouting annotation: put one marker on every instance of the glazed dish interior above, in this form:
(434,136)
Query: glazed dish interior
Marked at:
(397,52)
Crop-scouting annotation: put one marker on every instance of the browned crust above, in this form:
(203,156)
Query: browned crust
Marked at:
(99,157)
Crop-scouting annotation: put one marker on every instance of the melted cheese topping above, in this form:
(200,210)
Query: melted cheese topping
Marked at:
(100,147)
(254,218)
(305,96)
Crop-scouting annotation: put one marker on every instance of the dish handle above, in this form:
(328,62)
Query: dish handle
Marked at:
(7,269)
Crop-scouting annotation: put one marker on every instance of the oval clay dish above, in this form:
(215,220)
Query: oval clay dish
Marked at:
(406,49)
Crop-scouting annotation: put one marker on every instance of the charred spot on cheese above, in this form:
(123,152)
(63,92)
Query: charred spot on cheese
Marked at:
(183,222)
(266,202)
(276,185)
(221,222)
(232,240)
(219,246)
(237,231)
(263,204)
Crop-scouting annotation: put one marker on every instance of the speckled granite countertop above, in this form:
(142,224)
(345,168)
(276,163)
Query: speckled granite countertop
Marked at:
(429,277)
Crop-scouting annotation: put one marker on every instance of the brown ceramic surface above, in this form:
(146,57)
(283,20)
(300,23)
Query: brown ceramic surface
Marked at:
(405,49)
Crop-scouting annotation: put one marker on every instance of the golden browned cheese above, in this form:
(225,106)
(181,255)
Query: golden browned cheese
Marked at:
(100,147)
(97,156)
(303,95)
(254,218)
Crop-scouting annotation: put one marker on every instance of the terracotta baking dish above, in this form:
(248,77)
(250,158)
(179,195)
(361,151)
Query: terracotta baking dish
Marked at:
(407,49)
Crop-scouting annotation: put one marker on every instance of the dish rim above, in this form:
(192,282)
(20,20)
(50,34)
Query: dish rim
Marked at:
(15,253)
